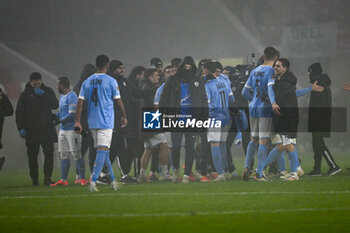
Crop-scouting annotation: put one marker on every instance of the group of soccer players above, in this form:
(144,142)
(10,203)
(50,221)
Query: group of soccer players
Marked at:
(270,90)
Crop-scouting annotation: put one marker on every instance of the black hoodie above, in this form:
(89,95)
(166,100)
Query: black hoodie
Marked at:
(171,95)
(34,114)
(6,109)
(286,99)
(320,107)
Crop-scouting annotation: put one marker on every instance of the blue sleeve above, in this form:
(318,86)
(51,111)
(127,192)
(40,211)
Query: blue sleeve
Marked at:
(271,93)
(72,105)
(231,97)
(207,89)
(82,92)
(304,91)
(246,92)
(157,95)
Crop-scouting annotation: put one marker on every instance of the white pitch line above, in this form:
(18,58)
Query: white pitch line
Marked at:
(199,213)
(178,194)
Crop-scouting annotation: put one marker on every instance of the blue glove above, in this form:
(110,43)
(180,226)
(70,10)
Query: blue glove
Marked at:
(238,139)
(23,133)
(39,91)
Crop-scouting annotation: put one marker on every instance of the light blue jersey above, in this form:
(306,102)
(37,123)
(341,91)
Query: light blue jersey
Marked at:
(99,92)
(220,97)
(258,82)
(158,94)
(224,79)
(67,110)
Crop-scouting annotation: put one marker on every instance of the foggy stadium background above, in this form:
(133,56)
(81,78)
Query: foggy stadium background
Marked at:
(57,38)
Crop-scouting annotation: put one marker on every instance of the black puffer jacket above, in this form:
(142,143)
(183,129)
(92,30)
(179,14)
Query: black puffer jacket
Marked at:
(320,107)
(34,114)
(6,109)
(171,95)
(286,99)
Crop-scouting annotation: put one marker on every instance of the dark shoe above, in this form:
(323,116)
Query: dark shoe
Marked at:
(106,180)
(128,180)
(2,161)
(35,183)
(48,182)
(246,174)
(314,173)
(153,177)
(333,171)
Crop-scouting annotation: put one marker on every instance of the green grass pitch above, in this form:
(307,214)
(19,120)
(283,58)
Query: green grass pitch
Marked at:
(312,204)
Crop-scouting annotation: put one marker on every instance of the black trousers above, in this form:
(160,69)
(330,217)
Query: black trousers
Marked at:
(155,160)
(117,148)
(134,151)
(33,151)
(87,143)
(229,141)
(320,150)
(176,139)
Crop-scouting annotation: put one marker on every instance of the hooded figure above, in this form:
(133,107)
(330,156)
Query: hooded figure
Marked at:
(320,107)
(171,95)
(320,117)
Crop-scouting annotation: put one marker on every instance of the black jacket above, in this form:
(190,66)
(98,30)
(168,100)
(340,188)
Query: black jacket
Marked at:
(127,91)
(320,107)
(286,99)
(34,114)
(171,96)
(6,109)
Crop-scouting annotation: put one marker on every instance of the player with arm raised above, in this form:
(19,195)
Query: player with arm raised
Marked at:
(100,91)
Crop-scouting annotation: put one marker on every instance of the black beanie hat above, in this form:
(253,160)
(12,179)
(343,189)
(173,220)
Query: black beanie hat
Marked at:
(315,69)
(115,64)
(156,62)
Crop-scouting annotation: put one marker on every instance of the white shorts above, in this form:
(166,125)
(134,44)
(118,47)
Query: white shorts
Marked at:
(154,141)
(261,127)
(283,139)
(102,137)
(69,141)
(218,134)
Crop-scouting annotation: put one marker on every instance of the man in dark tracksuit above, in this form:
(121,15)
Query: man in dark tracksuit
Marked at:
(320,116)
(6,109)
(35,124)
(184,88)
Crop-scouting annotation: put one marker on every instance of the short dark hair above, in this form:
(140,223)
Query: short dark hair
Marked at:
(169,67)
(285,62)
(270,53)
(101,61)
(211,66)
(176,61)
(35,76)
(64,81)
(149,72)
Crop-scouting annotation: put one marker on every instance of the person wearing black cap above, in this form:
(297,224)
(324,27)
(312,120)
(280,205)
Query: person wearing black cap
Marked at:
(184,92)
(158,65)
(35,125)
(6,110)
(320,116)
